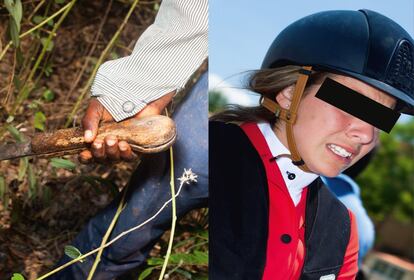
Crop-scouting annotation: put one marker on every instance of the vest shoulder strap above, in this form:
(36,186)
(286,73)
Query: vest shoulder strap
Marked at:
(327,233)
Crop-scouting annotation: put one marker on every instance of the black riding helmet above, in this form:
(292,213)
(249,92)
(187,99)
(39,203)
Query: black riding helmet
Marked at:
(362,44)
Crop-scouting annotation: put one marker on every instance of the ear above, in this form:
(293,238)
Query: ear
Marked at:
(284,97)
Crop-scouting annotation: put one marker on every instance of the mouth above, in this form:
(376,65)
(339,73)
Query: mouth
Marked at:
(346,154)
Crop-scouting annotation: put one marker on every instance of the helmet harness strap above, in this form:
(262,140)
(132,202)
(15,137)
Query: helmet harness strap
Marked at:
(289,116)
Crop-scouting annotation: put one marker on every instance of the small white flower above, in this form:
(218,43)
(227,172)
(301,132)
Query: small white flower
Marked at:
(188,177)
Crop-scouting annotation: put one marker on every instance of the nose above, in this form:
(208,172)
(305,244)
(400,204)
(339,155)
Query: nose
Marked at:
(361,132)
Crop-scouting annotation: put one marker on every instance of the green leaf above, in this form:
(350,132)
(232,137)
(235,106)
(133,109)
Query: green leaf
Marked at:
(147,272)
(59,1)
(72,252)
(14,33)
(200,277)
(184,242)
(9,4)
(18,12)
(25,92)
(23,164)
(15,11)
(155,261)
(98,182)
(48,95)
(201,257)
(196,258)
(19,57)
(48,70)
(9,119)
(17,82)
(39,121)
(3,189)
(38,19)
(47,44)
(203,234)
(46,195)
(62,163)
(34,105)
(186,274)
(15,133)
(17,276)
(114,55)
(31,177)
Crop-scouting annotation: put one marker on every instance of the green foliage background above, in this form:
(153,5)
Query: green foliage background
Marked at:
(387,185)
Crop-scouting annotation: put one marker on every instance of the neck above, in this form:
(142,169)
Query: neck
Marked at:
(280,130)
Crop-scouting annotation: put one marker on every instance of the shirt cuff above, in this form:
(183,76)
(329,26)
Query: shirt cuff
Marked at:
(121,102)
(120,110)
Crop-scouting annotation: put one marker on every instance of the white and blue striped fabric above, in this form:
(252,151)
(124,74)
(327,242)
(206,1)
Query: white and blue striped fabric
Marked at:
(163,59)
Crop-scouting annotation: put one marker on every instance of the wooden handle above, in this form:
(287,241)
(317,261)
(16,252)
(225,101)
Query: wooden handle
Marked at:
(147,135)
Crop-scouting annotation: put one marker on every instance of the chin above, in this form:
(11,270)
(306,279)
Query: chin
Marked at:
(327,171)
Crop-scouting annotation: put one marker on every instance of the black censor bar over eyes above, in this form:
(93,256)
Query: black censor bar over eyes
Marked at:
(357,105)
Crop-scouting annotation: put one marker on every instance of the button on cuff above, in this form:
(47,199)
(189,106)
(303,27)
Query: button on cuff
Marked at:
(114,107)
(128,106)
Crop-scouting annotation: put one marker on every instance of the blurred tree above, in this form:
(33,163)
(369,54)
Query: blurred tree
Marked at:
(216,101)
(387,185)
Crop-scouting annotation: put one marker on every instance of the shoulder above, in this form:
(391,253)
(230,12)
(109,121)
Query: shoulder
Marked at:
(218,128)
(227,136)
(231,149)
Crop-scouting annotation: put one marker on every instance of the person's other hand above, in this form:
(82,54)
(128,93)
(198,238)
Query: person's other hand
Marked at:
(110,149)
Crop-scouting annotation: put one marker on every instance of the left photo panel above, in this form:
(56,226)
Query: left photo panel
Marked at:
(103,139)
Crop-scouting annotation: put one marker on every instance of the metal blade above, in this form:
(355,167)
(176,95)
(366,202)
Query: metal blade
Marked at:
(11,151)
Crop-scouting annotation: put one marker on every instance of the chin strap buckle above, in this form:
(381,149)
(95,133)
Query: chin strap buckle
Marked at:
(279,112)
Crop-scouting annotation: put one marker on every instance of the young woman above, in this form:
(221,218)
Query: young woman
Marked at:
(271,217)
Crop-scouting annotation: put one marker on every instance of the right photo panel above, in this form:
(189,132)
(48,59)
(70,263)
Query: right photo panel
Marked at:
(311,140)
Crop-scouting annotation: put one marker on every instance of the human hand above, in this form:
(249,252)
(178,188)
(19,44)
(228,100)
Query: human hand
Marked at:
(110,149)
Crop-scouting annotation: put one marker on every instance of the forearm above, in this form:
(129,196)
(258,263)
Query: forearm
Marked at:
(164,58)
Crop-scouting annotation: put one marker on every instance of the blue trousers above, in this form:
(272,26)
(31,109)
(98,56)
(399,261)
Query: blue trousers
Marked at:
(149,189)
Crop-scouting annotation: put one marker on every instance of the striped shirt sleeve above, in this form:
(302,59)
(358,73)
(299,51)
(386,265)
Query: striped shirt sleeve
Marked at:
(163,59)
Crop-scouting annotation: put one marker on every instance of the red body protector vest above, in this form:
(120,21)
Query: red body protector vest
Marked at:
(256,232)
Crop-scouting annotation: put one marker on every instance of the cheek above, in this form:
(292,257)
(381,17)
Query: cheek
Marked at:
(318,124)
(320,118)
(313,124)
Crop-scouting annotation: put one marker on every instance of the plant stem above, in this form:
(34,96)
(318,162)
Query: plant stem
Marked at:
(99,62)
(35,28)
(27,88)
(6,48)
(90,52)
(121,206)
(38,6)
(31,30)
(119,236)
(176,267)
(10,88)
(174,217)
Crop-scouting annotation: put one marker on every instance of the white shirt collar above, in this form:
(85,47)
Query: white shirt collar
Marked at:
(298,179)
